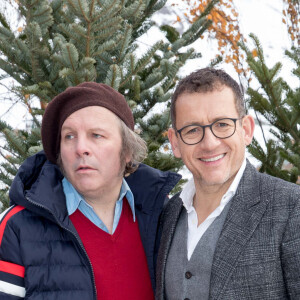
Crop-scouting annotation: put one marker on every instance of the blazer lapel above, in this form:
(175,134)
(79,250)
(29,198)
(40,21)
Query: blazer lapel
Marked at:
(246,210)
(169,220)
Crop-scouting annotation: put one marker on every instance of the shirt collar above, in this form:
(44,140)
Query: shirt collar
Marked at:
(235,183)
(187,194)
(73,198)
(126,192)
(189,190)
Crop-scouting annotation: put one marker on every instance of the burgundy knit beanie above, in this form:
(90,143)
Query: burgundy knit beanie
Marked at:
(73,99)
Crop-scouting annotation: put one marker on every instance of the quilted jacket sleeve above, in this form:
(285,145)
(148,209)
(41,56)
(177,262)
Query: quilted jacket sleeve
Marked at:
(11,270)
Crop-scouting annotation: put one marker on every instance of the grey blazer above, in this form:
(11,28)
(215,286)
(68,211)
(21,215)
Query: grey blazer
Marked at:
(258,252)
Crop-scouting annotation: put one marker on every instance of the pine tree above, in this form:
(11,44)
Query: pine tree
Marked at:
(279,104)
(64,43)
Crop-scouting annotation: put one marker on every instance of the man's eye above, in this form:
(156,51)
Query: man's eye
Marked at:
(69,136)
(221,124)
(96,135)
(192,131)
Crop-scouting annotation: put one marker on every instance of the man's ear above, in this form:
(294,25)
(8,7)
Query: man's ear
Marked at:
(248,125)
(173,138)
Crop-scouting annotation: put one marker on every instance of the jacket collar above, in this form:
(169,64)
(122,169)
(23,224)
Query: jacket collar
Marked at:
(245,213)
(147,183)
(38,186)
(169,219)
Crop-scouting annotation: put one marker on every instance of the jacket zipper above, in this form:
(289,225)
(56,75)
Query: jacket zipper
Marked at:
(73,234)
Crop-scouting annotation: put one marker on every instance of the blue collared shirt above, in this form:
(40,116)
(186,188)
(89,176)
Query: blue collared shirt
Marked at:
(75,201)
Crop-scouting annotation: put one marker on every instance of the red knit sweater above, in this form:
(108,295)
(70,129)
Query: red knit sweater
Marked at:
(118,260)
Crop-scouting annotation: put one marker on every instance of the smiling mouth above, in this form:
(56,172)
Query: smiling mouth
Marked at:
(213,158)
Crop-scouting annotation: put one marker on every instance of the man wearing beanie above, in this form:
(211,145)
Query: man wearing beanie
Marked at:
(78,226)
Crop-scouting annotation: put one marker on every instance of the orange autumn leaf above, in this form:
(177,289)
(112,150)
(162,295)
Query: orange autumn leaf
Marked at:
(254,53)
(291,18)
(224,28)
(165,133)
(43,104)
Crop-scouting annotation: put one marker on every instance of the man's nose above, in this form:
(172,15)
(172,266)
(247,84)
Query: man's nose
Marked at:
(209,141)
(82,147)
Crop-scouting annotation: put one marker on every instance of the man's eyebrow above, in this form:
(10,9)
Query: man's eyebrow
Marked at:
(98,129)
(200,123)
(66,128)
(220,118)
(90,129)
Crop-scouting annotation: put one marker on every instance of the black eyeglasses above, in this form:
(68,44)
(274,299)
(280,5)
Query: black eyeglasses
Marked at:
(194,133)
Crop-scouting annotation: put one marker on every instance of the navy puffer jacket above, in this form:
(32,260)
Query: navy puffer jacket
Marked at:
(41,254)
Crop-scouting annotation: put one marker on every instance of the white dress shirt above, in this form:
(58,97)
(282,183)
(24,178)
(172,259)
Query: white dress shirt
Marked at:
(196,232)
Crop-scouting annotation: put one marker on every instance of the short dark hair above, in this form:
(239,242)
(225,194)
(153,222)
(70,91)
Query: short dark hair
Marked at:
(207,80)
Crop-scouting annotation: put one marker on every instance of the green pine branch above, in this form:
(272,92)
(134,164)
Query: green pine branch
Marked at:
(279,104)
(64,43)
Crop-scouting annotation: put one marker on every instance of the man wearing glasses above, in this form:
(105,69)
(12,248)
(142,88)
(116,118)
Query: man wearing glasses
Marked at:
(232,233)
